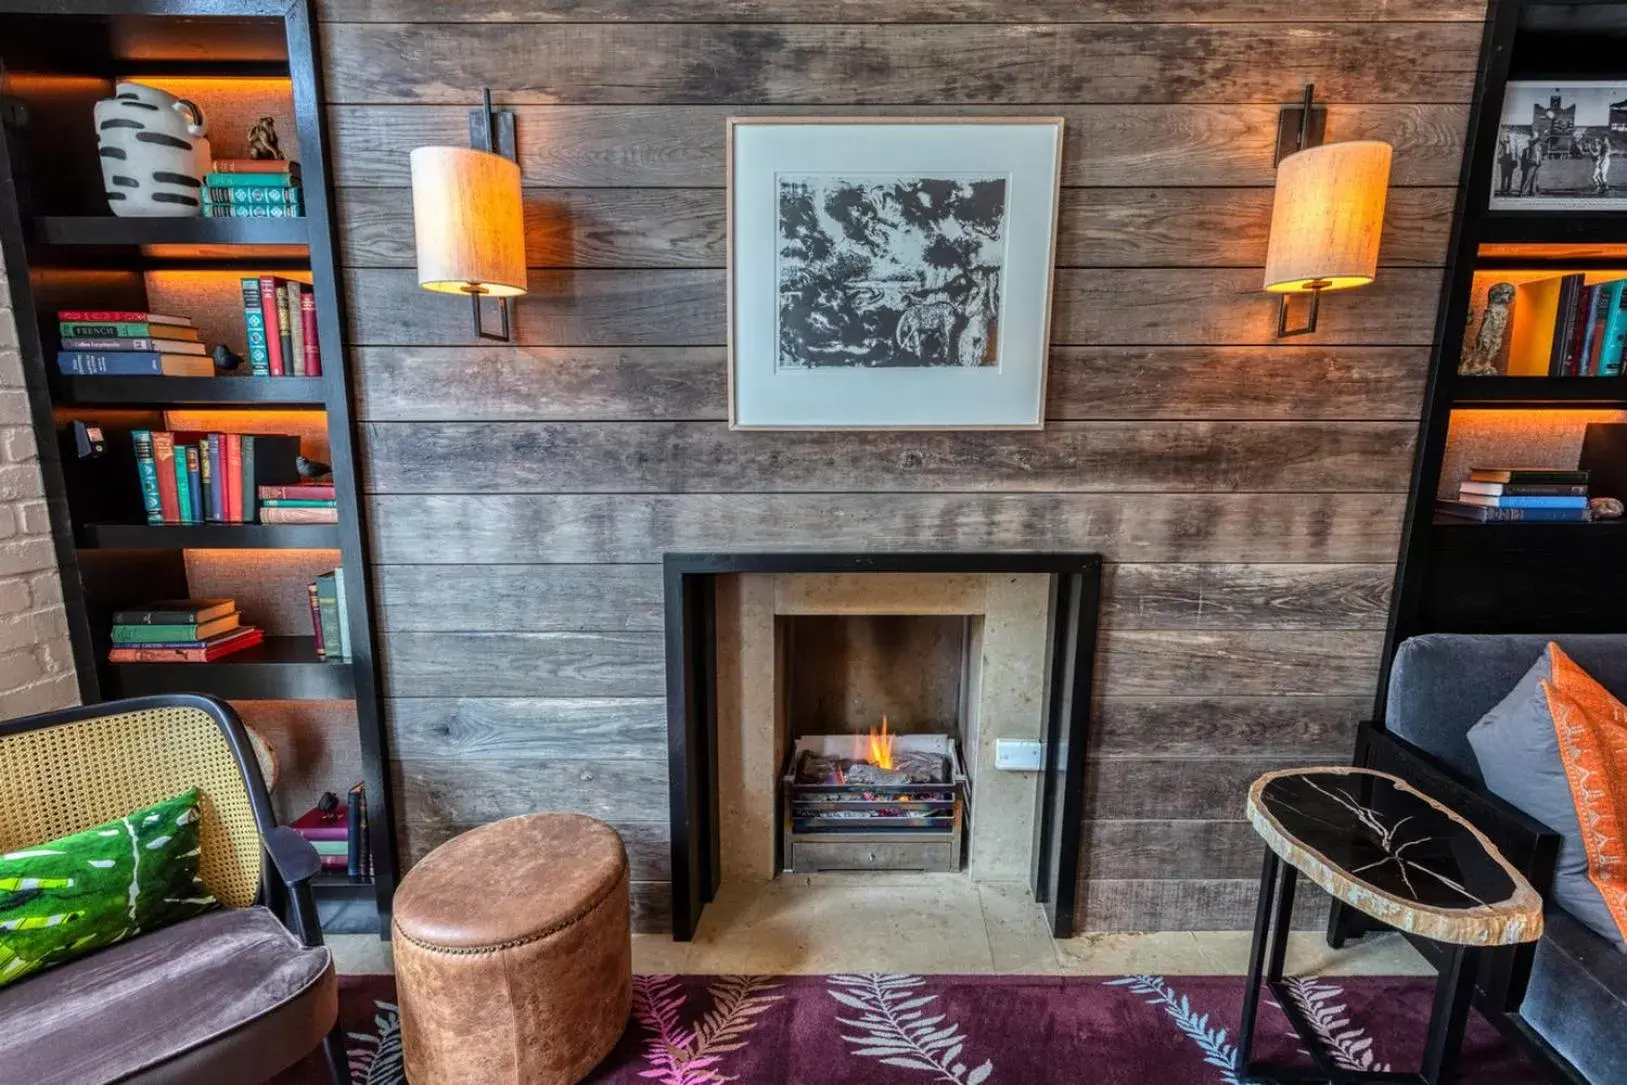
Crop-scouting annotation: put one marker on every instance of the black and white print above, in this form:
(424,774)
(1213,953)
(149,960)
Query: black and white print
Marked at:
(1561,147)
(889,271)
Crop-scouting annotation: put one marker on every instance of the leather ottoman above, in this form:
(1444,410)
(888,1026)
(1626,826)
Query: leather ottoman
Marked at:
(513,957)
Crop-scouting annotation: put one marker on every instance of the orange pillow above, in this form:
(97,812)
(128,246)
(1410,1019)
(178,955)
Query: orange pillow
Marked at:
(1591,726)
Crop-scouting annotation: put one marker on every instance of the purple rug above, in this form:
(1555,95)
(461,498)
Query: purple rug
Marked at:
(968,1030)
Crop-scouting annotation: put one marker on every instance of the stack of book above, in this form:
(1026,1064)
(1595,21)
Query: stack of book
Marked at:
(305,503)
(1563,327)
(129,343)
(180,631)
(1529,494)
(279,324)
(258,188)
(195,478)
(338,832)
(327,598)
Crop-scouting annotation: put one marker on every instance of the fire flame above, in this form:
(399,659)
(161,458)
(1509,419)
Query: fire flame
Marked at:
(881,747)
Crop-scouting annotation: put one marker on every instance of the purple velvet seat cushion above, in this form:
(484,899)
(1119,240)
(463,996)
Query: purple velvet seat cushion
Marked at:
(141,1003)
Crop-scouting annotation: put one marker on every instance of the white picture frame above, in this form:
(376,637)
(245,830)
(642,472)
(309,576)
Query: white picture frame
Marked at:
(1561,146)
(890,273)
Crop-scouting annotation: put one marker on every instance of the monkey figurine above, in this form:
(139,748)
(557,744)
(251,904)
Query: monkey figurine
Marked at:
(263,139)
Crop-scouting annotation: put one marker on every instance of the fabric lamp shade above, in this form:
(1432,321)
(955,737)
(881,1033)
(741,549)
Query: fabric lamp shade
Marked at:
(468,222)
(1327,217)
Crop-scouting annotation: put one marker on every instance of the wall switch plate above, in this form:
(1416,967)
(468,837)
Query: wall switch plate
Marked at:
(1018,755)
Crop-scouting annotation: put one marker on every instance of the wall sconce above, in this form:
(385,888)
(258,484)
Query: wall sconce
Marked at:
(1327,215)
(468,219)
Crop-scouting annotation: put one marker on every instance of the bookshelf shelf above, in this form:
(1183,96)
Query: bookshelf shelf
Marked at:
(107,230)
(193,391)
(1553,228)
(1471,392)
(340,887)
(209,537)
(278,668)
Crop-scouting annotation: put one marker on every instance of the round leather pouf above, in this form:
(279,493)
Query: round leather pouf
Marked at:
(513,954)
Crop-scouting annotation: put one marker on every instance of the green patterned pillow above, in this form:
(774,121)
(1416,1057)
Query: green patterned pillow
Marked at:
(90,889)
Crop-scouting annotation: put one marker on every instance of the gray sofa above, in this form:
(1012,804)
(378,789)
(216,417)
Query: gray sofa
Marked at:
(1440,685)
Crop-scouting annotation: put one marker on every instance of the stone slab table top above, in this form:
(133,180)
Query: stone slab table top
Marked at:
(1396,854)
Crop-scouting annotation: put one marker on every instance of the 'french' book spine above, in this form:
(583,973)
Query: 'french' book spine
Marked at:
(254,328)
(148,473)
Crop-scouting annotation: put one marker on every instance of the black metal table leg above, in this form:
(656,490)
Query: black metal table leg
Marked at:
(1257,947)
(1453,993)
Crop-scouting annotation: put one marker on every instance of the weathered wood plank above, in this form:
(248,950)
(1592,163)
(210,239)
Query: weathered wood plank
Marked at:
(518,598)
(1134,306)
(682,146)
(652,907)
(1137,662)
(503,728)
(504,529)
(508,383)
(705,457)
(649,851)
(1168,848)
(1096,227)
(895,11)
(651,63)
(467,793)
(1119,904)
(523,665)
(1311,728)
(1186,596)
(1151,788)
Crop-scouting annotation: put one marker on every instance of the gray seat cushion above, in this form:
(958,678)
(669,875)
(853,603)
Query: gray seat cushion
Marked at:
(1577,999)
(157,1008)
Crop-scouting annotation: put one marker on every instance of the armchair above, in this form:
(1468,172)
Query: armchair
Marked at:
(238,994)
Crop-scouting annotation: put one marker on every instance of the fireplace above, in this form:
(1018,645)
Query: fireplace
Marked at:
(851,712)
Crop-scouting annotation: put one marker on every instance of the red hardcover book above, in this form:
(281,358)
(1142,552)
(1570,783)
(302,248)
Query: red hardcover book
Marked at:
(315,825)
(234,478)
(316,621)
(246,637)
(254,165)
(268,306)
(164,465)
(119,316)
(316,491)
(307,324)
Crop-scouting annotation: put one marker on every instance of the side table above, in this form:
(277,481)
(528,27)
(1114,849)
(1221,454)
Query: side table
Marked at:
(1397,855)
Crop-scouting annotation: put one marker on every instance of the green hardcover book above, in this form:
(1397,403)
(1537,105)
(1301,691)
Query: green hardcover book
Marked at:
(213,210)
(147,471)
(327,604)
(124,329)
(248,180)
(254,327)
(233,197)
(161,634)
(331,847)
(183,486)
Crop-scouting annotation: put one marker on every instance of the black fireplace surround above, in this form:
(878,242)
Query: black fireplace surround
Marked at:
(691,631)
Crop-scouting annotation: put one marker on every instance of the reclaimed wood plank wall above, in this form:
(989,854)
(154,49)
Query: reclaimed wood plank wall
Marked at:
(1247,493)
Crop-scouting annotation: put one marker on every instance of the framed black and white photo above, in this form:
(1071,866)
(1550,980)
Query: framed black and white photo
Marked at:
(1561,147)
(890,273)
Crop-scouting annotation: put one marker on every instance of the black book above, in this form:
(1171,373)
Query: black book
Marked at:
(176,612)
(1570,292)
(1549,475)
(356,830)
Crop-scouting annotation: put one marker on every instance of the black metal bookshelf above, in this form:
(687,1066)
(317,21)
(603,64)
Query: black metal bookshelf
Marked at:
(1463,576)
(63,249)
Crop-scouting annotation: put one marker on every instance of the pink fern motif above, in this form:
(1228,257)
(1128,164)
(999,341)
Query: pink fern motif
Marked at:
(681,1055)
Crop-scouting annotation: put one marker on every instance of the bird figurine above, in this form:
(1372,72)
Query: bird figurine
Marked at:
(225,360)
(312,469)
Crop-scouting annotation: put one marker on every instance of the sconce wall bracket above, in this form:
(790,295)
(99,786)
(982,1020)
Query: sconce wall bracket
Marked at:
(492,130)
(1314,291)
(1301,126)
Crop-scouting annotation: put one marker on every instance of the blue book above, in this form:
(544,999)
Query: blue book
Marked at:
(1488,515)
(194,482)
(1523,501)
(217,473)
(133,363)
(1615,329)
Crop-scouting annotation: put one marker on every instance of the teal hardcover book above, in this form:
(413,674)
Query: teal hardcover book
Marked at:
(147,470)
(1615,329)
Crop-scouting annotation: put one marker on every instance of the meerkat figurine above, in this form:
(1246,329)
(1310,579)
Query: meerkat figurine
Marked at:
(1480,357)
(263,139)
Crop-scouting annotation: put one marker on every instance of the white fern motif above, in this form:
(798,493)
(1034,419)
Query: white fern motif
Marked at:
(681,1055)
(1217,1050)
(897,1031)
(1350,1048)
(375,1057)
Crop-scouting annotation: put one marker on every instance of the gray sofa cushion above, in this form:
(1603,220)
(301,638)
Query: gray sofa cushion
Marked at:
(1517,749)
(134,1010)
(1577,999)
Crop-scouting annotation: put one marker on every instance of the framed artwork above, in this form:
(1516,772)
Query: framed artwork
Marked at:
(1561,147)
(890,273)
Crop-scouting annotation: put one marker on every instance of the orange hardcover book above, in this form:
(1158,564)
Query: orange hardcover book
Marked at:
(164,464)
(232,642)
(234,478)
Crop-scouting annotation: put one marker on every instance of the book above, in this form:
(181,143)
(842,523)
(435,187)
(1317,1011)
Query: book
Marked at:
(123,329)
(307,317)
(340,848)
(355,830)
(1531,334)
(252,210)
(327,600)
(169,501)
(1487,515)
(134,363)
(125,316)
(1519,502)
(235,196)
(315,825)
(142,633)
(311,491)
(268,306)
(1562,353)
(254,328)
(299,516)
(255,165)
(1604,454)
(1614,336)
(216,459)
(343,614)
(232,446)
(183,486)
(316,620)
(1524,489)
(246,637)
(240,180)
(194,480)
(297,503)
(1553,475)
(147,472)
(295,354)
(1590,331)
(285,330)
(176,612)
(335,864)
(168,346)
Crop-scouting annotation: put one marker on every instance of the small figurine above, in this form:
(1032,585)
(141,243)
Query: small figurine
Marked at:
(1606,508)
(225,360)
(1480,357)
(263,139)
(311,469)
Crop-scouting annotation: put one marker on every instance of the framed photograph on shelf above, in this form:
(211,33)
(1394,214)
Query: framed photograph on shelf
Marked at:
(890,273)
(1561,147)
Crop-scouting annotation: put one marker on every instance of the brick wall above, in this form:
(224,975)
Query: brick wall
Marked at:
(36,665)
